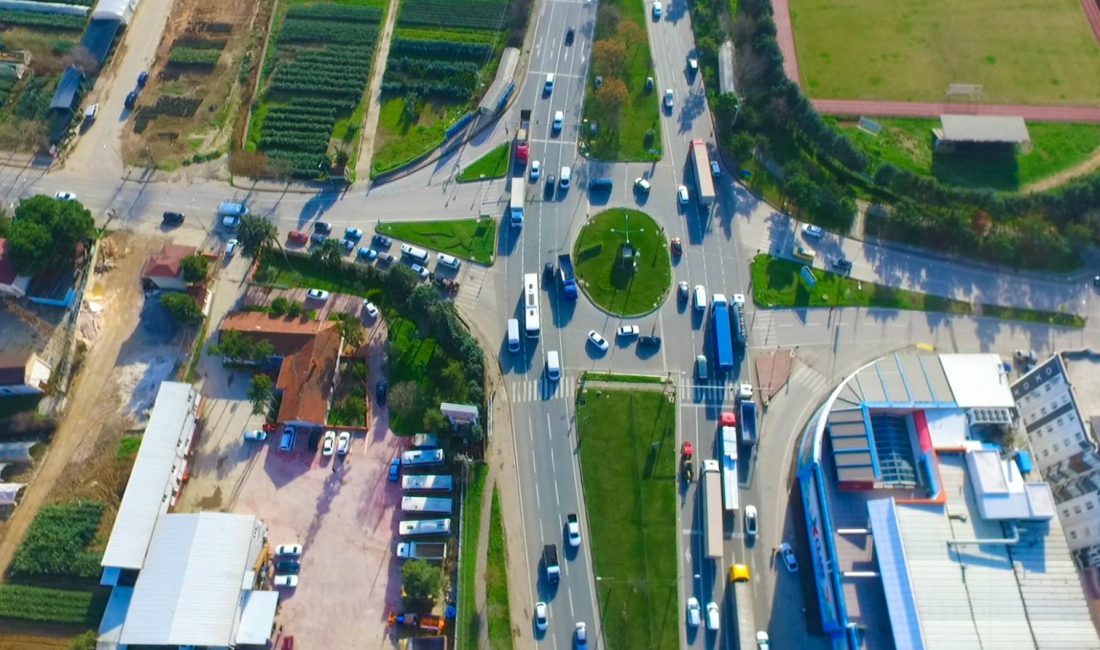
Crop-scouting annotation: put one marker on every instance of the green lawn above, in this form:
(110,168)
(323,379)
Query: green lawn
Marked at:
(400,142)
(472,239)
(469,619)
(610,283)
(492,165)
(627,444)
(1028,51)
(625,138)
(496,582)
(777,283)
(907,144)
(623,379)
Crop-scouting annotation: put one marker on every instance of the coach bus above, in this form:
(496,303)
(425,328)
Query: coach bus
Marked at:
(531,305)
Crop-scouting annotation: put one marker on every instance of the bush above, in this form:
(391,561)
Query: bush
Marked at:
(56,541)
(182,308)
(194,56)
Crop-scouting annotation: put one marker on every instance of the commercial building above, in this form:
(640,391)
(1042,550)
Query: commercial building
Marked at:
(923,531)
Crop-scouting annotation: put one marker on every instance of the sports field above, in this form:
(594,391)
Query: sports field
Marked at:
(1022,52)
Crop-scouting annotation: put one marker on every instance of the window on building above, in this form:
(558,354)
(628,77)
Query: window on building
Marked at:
(1076,510)
(1073,534)
(1089,505)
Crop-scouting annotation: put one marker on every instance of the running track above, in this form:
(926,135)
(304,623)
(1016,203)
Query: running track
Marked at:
(856,107)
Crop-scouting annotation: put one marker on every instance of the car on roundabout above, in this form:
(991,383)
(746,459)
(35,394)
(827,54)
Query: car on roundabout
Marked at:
(595,339)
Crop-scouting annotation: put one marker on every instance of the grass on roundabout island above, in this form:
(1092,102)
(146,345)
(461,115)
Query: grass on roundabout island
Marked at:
(471,239)
(492,165)
(609,282)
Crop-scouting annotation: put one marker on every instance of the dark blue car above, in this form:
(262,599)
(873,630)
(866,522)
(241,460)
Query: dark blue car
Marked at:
(395,470)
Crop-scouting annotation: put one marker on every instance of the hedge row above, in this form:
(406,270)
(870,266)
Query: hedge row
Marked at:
(194,56)
(48,605)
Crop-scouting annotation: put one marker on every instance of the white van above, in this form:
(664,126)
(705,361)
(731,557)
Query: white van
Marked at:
(448,260)
(553,365)
(700,299)
(549,85)
(418,254)
(513,335)
(701,366)
(564,178)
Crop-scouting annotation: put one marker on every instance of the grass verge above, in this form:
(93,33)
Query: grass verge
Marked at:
(472,239)
(402,140)
(469,618)
(492,165)
(1033,316)
(623,379)
(628,464)
(613,284)
(496,582)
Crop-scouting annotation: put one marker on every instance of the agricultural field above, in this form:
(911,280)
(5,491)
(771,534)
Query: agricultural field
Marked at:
(907,144)
(56,543)
(186,113)
(51,41)
(442,58)
(308,118)
(1027,52)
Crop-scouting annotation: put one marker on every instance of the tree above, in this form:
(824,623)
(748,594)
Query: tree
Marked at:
(46,231)
(435,422)
(609,57)
(328,253)
(611,97)
(261,392)
(86,641)
(629,31)
(195,268)
(422,583)
(235,346)
(404,398)
(351,328)
(255,235)
(181,307)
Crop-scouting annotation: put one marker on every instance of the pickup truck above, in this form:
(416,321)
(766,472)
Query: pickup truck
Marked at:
(550,562)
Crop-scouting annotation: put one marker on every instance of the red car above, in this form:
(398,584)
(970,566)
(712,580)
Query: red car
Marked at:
(298,237)
(687,451)
(727,420)
(677,246)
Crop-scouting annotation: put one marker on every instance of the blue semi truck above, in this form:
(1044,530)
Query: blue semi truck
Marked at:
(723,341)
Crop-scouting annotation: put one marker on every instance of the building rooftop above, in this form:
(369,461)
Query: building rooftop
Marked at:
(168,262)
(984,129)
(288,335)
(13,368)
(977,380)
(156,470)
(306,378)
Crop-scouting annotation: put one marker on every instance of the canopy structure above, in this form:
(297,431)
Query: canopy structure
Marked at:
(982,129)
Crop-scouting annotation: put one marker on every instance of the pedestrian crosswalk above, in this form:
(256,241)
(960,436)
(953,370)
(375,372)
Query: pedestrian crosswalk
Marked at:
(690,391)
(542,389)
(808,379)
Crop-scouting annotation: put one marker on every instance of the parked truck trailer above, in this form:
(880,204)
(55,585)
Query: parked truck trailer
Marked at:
(723,344)
(704,183)
(712,495)
(742,593)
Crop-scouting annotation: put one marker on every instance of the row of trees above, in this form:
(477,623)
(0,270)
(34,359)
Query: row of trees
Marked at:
(611,59)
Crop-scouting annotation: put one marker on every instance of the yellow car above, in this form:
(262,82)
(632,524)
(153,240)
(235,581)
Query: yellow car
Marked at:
(803,253)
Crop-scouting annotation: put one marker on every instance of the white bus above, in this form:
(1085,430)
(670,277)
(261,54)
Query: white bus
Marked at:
(531,304)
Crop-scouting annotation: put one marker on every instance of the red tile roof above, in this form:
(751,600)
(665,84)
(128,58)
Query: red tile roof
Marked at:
(306,379)
(166,263)
(288,335)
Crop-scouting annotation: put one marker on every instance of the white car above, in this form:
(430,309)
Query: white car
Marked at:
(787,553)
(629,330)
(656,10)
(329,445)
(559,120)
(810,230)
(750,520)
(372,311)
(289,550)
(595,339)
(738,298)
(541,620)
(682,195)
(566,173)
(762,641)
(581,633)
(449,261)
(343,443)
(669,99)
(536,170)
(65,196)
(286,581)
(573,530)
(421,271)
(230,247)
(257,435)
(714,617)
(642,184)
(317,294)
(694,612)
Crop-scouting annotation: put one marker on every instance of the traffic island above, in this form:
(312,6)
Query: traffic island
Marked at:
(622,262)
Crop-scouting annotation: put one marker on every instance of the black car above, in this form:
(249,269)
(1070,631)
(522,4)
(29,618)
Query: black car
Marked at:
(842,264)
(649,341)
(172,218)
(314,440)
(381,241)
(131,99)
(548,272)
(322,227)
(380,392)
(283,567)
(142,78)
(551,183)
(569,36)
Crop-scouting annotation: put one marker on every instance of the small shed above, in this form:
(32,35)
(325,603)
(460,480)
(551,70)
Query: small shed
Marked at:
(986,131)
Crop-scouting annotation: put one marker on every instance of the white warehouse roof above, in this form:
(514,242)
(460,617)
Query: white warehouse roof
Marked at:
(978,380)
(196,576)
(153,480)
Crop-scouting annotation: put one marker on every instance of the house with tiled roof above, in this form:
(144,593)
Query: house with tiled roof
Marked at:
(308,356)
(164,269)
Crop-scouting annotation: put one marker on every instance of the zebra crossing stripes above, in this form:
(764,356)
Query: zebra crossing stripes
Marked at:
(542,389)
(808,379)
(693,392)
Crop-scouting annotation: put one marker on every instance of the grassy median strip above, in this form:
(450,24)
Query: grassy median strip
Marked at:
(496,582)
(778,283)
(622,379)
(469,618)
(471,239)
(492,165)
(628,464)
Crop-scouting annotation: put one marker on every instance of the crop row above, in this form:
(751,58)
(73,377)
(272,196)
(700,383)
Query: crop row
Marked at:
(200,43)
(303,119)
(302,165)
(446,89)
(441,49)
(471,15)
(333,54)
(306,143)
(433,68)
(83,3)
(194,56)
(301,129)
(45,21)
(339,13)
(316,31)
(50,605)
(56,539)
(295,111)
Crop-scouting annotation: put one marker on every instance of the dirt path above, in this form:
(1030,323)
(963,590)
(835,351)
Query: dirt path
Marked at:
(93,399)
(1090,164)
(374,95)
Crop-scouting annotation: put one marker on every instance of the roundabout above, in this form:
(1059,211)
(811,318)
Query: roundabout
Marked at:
(622,262)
